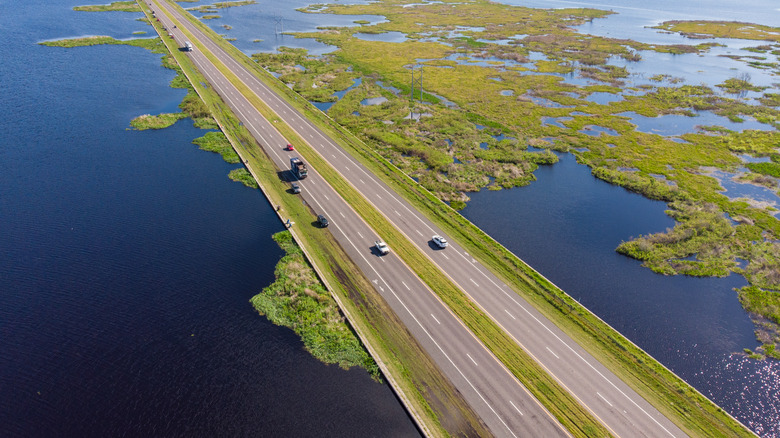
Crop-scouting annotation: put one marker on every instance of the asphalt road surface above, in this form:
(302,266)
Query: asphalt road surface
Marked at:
(500,400)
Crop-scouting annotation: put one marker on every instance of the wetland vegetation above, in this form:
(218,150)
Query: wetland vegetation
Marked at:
(504,85)
(298,300)
(124,6)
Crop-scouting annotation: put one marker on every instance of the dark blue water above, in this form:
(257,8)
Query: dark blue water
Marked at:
(127,260)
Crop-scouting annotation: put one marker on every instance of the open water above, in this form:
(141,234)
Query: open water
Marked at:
(127,259)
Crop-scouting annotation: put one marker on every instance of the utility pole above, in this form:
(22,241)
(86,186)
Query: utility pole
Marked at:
(278,25)
(419,82)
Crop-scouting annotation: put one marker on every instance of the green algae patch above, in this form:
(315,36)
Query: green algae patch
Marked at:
(298,300)
(127,6)
(722,29)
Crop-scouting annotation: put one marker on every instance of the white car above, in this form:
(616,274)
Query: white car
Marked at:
(440,241)
(381,246)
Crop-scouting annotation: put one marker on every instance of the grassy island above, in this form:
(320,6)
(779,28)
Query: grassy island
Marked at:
(244,177)
(125,6)
(159,121)
(722,29)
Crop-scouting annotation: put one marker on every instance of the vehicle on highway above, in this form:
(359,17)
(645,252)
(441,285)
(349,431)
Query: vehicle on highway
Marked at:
(440,241)
(298,167)
(187,46)
(382,247)
(295,188)
(289,147)
(322,221)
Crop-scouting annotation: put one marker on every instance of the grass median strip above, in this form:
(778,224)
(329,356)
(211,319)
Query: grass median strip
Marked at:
(438,407)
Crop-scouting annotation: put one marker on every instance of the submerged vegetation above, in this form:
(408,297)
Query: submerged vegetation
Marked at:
(298,300)
(490,112)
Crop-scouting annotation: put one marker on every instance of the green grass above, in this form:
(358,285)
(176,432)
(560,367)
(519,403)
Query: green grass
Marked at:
(244,177)
(298,300)
(217,142)
(722,29)
(771,169)
(153,44)
(125,6)
(159,121)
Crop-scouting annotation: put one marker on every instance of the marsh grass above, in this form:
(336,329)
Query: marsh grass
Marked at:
(123,6)
(244,177)
(298,300)
(217,142)
(722,29)
(160,121)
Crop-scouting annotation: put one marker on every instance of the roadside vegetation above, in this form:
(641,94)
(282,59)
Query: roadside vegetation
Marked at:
(436,405)
(217,142)
(298,300)
(244,177)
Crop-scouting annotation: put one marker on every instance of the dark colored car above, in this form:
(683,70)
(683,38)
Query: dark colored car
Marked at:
(322,221)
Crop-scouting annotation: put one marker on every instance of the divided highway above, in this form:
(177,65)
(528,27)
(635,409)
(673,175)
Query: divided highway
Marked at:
(502,403)
(500,400)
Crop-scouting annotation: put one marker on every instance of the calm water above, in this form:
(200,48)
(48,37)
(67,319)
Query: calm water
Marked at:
(127,260)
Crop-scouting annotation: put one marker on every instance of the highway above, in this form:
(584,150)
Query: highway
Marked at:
(490,389)
(502,403)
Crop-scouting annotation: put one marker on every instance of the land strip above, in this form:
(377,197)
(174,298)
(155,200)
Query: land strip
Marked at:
(705,424)
(429,396)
